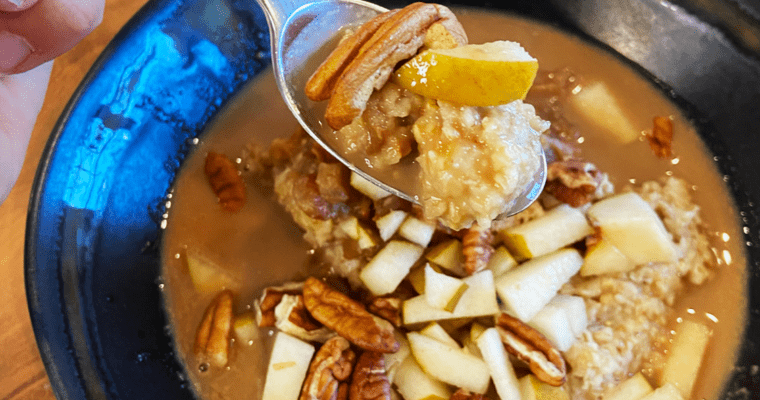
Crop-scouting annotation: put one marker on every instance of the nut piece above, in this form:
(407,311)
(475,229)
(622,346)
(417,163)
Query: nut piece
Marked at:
(477,248)
(272,296)
(576,182)
(661,139)
(225,181)
(396,39)
(328,372)
(530,346)
(212,339)
(283,307)
(369,381)
(348,318)
(463,394)
(387,307)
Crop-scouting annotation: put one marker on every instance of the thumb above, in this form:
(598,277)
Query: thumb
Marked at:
(45,30)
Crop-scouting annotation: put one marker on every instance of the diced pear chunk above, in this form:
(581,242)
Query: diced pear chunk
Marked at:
(448,255)
(416,231)
(604,258)
(368,188)
(437,332)
(685,357)
(501,261)
(553,322)
(502,372)
(389,266)
(631,225)
(633,388)
(559,227)
(526,289)
(575,307)
(245,327)
(414,384)
(442,291)
(450,365)
(389,223)
(477,301)
(354,229)
(207,276)
(667,391)
(394,360)
(287,369)
(598,105)
(534,389)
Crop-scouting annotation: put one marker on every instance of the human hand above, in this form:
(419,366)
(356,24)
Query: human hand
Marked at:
(32,33)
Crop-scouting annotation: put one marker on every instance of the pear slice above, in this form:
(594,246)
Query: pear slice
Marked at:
(502,372)
(631,225)
(393,361)
(559,227)
(525,290)
(449,256)
(562,320)
(479,300)
(245,328)
(416,231)
(414,384)
(389,223)
(389,266)
(534,389)
(443,291)
(355,230)
(685,356)
(596,103)
(450,365)
(633,388)
(501,261)
(287,369)
(207,276)
(604,258)
(437,332)
(367,188)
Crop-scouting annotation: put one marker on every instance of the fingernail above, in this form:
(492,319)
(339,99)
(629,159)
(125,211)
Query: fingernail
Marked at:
(14,50)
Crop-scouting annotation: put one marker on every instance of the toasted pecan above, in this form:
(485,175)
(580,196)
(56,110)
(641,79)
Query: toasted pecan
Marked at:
(329,371)
(533,348)
(661,138)
(225,181)
(212,339)
(348,318)
(397,38)
(369,380)
(387,307)
(576,182)
(477,248)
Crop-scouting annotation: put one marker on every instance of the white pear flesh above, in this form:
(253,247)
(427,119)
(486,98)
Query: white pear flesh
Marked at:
(436,331)
(604,258)
(526,289)
(553,323)
(633,388)
(394,360)
(414,384)
(367,188)
(534,389)
(390,266)
(631,225)
(479,300)
(667,391)
(501,261)
(685,356)
(596,103)
(206,275)
(417,231)
(287,369)
(443,291)
(502,373)
(448,255)
(559,227)
(449,365)
(388,224)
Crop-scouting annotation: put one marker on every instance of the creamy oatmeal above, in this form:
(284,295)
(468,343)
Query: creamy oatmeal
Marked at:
(601,322)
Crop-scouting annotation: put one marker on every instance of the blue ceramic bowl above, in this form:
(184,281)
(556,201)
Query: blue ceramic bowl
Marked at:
(94,227)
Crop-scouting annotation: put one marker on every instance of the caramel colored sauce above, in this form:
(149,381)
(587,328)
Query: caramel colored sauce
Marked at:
(260,246)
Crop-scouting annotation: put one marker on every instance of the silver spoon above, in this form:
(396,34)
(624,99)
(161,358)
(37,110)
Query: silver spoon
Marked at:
(302,34)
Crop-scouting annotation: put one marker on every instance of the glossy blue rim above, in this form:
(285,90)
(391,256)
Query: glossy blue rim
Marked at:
(94,227)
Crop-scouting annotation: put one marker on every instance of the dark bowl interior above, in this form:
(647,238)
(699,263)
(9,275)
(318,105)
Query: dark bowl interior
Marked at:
(95,222)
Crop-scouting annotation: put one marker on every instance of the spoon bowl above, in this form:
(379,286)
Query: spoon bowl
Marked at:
(302,34)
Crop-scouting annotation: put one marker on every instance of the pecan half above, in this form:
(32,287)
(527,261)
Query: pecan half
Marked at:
(369,381)
(348,318)
(661,139)
(387,307)
(225,181)
(283,307)
(576,182)
(396,39)
(463,394)
(477,248)
(329,371)
(533,348)
(212,339)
